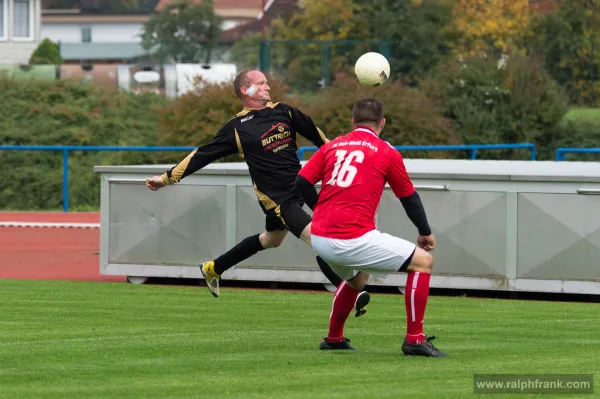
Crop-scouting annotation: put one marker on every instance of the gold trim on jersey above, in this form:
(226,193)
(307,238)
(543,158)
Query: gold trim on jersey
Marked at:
(266,202)
(238,142)
(246,110)
(325,139)
(178,170)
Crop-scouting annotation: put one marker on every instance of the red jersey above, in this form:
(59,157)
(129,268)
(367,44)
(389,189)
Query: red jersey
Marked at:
(353,169)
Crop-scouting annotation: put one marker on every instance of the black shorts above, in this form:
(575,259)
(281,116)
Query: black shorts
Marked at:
(288,215)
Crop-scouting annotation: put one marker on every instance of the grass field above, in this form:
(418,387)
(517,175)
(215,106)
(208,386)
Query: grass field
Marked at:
(84,340)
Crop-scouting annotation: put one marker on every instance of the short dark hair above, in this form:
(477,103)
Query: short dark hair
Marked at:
(241,80)
(367,110)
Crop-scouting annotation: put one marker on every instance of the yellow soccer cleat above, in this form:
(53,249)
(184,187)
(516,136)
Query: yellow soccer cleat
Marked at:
(211,277)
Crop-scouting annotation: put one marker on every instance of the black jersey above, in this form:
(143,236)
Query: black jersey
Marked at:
(266,139)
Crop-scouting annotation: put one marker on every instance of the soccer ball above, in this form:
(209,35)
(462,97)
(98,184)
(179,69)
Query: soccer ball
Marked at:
(372,69)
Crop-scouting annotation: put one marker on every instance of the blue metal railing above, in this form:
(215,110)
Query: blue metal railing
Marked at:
(561,152)
(468,147)
(65,149)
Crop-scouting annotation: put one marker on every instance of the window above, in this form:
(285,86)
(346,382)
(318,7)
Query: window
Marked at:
(22,20)
(3,13)
(86,35)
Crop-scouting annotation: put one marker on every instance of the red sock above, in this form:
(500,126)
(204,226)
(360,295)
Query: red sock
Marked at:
(343,303)
(415,300)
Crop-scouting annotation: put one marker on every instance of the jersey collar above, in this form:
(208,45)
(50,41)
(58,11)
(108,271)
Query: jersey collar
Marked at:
(366,130)
(246,110)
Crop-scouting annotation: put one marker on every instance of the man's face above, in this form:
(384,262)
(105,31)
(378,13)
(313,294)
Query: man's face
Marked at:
(258,79)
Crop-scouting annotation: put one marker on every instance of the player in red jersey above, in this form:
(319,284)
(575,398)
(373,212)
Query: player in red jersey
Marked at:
(354,169)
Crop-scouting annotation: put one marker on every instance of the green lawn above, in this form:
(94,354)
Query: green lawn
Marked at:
(84,340)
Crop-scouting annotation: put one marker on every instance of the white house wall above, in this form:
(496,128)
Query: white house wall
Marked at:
(101,32)
(18,51)
(122,32)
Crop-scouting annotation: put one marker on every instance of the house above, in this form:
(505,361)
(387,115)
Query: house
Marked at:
(234,12)
(19,30)
(272,9)
(88,34)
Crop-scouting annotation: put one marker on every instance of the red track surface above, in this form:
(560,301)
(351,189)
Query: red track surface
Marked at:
(49,217)
(37,253)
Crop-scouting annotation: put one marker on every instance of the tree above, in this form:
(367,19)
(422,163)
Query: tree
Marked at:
(244,52)
(47,52)
(415,30)
(489,26)
(184,32)
(315,20)
(569,41)
(494,101)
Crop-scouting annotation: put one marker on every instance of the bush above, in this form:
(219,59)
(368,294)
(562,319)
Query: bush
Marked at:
(580,128)
(510,100)
(47,52)
(411,118)
(37,112)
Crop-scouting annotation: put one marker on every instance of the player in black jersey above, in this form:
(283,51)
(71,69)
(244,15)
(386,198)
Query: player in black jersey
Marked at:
(264,134)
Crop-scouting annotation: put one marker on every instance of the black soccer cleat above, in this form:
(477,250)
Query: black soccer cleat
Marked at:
(362,300)
(344,344)
(424,348)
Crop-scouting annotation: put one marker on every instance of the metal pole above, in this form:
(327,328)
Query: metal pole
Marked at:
(474,153)
(325,64)
(386,49)
(65,180)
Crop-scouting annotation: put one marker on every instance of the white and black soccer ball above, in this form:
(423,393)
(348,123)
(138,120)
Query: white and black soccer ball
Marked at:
(372,69)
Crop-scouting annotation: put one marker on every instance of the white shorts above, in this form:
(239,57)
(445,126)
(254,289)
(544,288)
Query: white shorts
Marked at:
(375,252)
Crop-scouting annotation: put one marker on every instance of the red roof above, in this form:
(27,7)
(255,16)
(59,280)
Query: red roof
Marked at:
(278,8)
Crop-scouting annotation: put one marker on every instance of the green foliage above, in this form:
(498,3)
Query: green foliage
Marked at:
(415,30)
(245,52)
(184,32)
(35,112)
(46,53)
(511,100)
(301,64)
(569,40)
(579,128)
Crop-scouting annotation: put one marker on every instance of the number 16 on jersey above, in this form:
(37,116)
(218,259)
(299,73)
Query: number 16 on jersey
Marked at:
(344,172)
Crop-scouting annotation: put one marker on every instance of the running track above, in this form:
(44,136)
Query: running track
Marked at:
(51,253)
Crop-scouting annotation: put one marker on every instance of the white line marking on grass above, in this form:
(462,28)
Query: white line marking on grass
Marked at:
(52,225)
(306,333)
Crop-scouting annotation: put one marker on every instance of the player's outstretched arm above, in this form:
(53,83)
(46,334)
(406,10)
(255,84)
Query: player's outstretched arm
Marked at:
(304,125)
(222,145)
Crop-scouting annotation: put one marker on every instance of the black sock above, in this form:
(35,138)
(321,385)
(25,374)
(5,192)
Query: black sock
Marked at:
(328,272)
(243,250)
